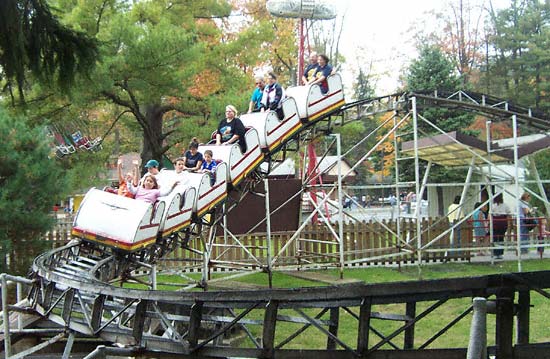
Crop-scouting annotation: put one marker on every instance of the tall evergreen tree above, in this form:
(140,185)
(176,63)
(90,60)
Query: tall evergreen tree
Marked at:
(157,58)
(30,182)
(432,71)
(362,87)
(32,38)
(520,69)
(429,72)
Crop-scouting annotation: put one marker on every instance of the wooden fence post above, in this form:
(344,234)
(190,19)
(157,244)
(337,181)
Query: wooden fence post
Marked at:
(505,324)
(524,302)
(364,326)
(410,312)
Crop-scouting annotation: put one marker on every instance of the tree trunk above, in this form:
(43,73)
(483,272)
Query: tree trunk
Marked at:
(153,139)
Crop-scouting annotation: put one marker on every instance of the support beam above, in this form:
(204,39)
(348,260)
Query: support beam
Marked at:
(68,346)
(333,327)
(139,321)
(505,324)
(477,346)
(364,325)
(524,308)
(417,186)
(97,312)
(5,316)
(268,335)
(195,324)
(410,312)
(68,306)
(268,233)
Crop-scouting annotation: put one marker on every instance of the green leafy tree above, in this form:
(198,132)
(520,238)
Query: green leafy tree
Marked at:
(29,181)
(430,72)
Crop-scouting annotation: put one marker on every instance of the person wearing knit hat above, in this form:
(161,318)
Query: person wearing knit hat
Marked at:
(231,129)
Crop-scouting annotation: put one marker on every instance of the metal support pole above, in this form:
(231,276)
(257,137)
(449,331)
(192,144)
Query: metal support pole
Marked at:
(542,192)
(340,205)
(68,346)
(417,186)
(224,225)
(461,203)
(19,288)
(301,51)
(477,346)
(517,190)
(489,188)
(153,274)
(268,232)
(208,247)
(5,316)
(397,187)
(423,186)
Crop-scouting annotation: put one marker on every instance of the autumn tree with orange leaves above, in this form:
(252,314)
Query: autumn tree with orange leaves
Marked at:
(463,38)
(264,42)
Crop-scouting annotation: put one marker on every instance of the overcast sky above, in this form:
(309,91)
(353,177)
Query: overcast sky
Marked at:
(383,30)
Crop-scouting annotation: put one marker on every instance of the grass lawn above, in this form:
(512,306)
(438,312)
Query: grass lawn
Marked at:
(457,336)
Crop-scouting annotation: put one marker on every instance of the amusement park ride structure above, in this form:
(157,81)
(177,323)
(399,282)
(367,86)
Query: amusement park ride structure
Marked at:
(76,287)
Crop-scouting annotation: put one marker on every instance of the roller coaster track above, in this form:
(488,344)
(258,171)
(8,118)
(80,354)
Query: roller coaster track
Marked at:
(73,285)
(487,105)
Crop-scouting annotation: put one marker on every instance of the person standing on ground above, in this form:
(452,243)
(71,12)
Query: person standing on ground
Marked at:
(481,227)
(501,215)
(526,221)
(454,215)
